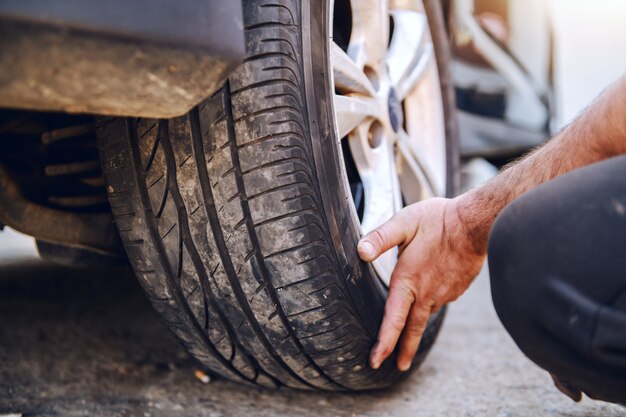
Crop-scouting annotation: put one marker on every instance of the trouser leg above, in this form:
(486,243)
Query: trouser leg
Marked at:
(557,260)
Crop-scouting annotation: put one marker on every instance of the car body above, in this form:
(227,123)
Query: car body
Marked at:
(129,56)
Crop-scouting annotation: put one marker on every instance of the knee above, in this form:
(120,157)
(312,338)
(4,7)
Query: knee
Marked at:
(509,261)
(516,277)
(519,259)
(537,296)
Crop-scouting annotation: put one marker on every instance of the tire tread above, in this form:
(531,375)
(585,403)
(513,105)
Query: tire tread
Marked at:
(221,216)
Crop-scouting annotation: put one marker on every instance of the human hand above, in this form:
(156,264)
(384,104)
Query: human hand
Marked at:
(438,259)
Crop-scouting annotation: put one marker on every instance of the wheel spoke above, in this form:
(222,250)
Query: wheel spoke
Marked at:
(378,174)
(413,182)
(349,78)
(352,111)
(425,128)
(416,75)
(370,33)
(416,178)
(415,5)
(409,51)
(381,187)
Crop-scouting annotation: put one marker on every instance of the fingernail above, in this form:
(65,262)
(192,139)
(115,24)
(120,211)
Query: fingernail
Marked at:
(404,366)
(374,360)
(366,249)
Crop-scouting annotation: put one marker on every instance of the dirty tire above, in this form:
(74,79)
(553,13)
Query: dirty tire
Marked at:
(236,222)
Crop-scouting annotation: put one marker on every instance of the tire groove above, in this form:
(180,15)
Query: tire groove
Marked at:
(302,281)
(269,25)
(262,139)
(280,162)
(283,187)
(155,147)
(266,83)
(266,110)
(294,248)
(279,6)
(281,40)
(285,216)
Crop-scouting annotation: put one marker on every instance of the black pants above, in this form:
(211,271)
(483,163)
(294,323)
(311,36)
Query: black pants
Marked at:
(557,259)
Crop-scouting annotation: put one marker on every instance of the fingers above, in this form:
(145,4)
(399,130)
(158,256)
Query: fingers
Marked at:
(399,303)
(412,335)
(388,235)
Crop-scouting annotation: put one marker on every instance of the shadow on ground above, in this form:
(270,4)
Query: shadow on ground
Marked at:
(87,343)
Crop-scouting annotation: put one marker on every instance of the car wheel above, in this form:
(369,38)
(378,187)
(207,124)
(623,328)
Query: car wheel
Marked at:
(242,217)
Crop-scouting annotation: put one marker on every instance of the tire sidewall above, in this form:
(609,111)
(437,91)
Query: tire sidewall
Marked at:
(367,292)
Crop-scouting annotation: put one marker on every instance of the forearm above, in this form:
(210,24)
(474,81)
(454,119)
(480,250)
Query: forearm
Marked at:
(597,134)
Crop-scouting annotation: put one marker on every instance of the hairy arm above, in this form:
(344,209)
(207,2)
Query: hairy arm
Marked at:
(597,134)
(443,242)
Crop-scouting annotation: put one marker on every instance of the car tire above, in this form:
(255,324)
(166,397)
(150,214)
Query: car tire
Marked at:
(238,221)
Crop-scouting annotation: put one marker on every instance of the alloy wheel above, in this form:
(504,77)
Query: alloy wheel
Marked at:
(388,109)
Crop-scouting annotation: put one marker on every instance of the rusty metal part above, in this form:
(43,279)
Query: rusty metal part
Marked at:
(51,186)
(154,58)
(77,257)
(54,159)
(92,231)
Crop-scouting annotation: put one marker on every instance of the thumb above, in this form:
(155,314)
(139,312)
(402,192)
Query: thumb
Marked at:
(390,234)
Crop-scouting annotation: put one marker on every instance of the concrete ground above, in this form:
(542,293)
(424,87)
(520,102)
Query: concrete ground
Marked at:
(86,343)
